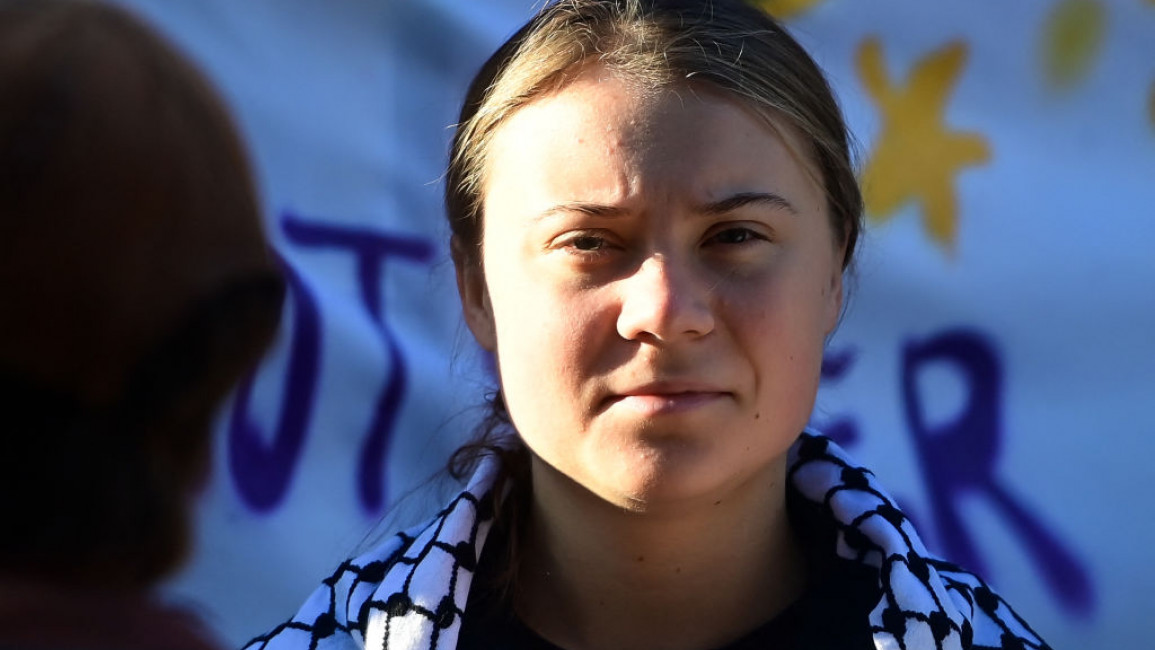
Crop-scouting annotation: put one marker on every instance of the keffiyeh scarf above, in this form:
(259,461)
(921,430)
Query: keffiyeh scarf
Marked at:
(410,592)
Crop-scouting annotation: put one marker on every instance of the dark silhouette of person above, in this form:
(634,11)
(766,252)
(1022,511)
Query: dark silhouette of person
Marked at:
(136,288)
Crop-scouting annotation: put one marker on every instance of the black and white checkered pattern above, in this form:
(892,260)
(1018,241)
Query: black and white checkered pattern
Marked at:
(410,592)
(927,603)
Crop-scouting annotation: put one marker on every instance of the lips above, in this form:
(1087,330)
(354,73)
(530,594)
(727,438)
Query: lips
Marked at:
(667,397)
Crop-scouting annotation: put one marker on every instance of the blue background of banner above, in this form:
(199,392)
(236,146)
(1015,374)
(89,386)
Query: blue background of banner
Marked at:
(996,366)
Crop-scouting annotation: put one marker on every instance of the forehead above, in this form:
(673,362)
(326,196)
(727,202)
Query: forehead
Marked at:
(601,118)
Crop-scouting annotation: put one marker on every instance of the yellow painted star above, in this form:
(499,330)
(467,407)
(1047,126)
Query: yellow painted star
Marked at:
(1151,104)
(915,156)
(1072,40)
(784,9)
(1151,95)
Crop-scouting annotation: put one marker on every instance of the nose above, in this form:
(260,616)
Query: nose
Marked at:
(664,302)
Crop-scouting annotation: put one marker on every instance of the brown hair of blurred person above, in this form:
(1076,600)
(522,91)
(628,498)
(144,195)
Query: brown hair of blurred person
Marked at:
(136,287)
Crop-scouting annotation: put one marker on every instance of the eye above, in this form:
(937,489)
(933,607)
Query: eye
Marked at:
(735,235)
(587,243)
(586,246)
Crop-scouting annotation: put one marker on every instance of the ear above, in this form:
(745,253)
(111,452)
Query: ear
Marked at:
(834,297)
(475,305)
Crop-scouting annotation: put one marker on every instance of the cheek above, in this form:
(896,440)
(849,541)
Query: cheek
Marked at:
(545,338)
(783,328)
(786,364)
(550,356)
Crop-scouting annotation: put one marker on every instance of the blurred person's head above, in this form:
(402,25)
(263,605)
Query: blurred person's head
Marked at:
(136,287)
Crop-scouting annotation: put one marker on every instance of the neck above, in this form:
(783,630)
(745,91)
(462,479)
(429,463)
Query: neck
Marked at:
(595,575)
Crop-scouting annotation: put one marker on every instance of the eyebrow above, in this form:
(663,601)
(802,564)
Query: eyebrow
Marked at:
(742,199)
(583,207)
(714,208)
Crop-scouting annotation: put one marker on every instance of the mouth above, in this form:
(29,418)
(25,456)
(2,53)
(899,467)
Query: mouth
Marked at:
(662,399)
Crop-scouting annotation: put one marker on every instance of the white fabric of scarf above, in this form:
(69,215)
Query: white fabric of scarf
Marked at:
(410,592)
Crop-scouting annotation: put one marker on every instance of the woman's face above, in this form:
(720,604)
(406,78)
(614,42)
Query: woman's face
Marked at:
(658,277)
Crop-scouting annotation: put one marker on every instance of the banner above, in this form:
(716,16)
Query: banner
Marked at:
(995,367)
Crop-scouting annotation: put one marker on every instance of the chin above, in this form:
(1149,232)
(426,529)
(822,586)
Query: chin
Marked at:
(659,477)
